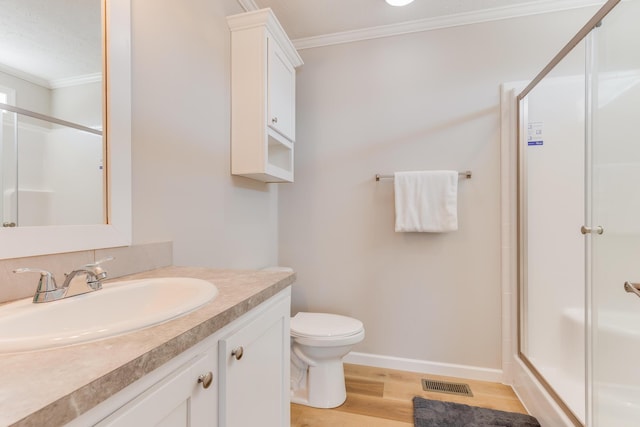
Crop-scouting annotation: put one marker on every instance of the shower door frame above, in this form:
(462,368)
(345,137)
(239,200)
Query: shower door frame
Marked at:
(521,218)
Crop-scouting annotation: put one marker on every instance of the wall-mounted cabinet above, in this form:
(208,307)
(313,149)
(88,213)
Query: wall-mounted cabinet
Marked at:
(263,92)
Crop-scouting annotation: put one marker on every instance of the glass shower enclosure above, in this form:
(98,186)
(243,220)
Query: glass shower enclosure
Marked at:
(51,171)
(579,222)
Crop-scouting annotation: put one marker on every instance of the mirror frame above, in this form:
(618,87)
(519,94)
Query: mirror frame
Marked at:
(30,241)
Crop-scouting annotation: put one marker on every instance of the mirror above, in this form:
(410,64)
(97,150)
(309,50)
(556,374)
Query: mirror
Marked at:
(105,174)
(52,146)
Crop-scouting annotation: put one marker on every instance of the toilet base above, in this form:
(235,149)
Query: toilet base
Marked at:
(325,381)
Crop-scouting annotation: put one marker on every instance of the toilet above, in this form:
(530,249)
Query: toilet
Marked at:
(319,341)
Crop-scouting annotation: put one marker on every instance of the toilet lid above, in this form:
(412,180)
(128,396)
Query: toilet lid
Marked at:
(324,325)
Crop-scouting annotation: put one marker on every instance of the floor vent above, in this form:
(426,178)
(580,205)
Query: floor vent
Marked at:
(460,389)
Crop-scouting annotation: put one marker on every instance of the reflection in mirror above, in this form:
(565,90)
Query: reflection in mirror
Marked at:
(16,242)
(51,119)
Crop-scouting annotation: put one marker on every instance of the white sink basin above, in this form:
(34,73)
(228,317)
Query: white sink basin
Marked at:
(118,308)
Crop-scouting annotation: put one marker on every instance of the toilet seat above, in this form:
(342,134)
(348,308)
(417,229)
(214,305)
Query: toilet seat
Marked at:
(324,326)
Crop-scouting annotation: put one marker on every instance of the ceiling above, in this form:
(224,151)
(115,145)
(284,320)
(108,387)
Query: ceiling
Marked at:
(48,41)
(304,19)
(45,42)
(307,18)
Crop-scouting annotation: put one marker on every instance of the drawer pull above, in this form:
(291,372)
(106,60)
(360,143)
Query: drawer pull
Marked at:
(205,380)
(237,352)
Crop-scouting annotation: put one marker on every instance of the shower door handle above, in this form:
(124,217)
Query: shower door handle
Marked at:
(633,288)
(588,230)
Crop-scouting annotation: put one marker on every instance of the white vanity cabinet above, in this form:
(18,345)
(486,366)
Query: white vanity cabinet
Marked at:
(254,371)
(187,397)
(178,393)
(263,62)
(246,389)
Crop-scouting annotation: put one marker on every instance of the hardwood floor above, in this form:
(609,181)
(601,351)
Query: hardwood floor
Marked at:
(382,398)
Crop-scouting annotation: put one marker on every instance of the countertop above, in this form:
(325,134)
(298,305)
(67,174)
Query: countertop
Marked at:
(52,387)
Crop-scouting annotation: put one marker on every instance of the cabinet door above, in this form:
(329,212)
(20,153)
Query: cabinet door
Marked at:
(281,92)
(178,400)
(254,385)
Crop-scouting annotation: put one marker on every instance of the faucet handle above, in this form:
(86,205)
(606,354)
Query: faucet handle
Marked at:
(97,273)
(97,270)
(47,281)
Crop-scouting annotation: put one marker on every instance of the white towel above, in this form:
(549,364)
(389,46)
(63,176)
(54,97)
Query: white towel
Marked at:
(426,201)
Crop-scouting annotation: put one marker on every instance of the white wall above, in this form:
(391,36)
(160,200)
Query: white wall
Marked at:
(182,187)
(421,101)
(80,103)
(29,96)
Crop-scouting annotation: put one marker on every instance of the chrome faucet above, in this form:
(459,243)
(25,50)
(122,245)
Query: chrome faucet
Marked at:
(86,279)
(93,275)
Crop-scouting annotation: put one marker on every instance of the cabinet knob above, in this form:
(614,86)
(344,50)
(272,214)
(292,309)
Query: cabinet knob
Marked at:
(205,379)
(274,120)
(237,352)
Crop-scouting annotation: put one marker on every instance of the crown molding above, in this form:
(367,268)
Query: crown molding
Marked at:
(24,76)
(248,5)
(441,22)
(51,84)
(75,81)
(266,18)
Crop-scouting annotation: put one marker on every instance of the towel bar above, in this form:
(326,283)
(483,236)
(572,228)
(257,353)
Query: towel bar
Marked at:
(465,174)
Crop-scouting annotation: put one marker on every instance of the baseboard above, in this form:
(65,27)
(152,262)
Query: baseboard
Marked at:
(425,366)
